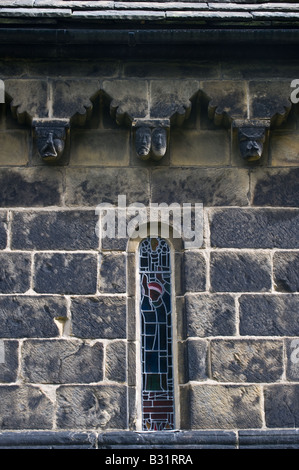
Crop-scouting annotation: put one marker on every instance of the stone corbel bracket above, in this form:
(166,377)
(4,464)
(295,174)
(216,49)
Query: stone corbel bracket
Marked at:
(252,135)
(150,109)
(151,138)
(51,108)
(50,137)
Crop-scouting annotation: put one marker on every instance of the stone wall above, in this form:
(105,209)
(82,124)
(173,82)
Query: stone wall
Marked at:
(67,311)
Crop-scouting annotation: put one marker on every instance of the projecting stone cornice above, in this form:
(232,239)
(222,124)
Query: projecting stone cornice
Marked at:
(149,107)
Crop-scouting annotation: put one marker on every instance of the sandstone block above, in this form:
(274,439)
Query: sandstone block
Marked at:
(210,315)
(30,316)
(61,361)
(235,272)
(246,360)
(269,315)
(87,407)
(99,317)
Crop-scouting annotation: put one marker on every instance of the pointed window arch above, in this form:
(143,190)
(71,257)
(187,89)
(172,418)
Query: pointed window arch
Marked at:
(157,382)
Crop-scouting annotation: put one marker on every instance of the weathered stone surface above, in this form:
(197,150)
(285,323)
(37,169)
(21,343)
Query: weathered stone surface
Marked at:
(65,273)
(269,315)
(47,440)
(196,351)
(61,361)
(93,147)
(25,407)
(113,273)
(284,148)
(87,407)
(30,316)
(246,360)
(200,148)
(54,230)
(286,271)
(171,100)
(227,100)
(282,406)
(115,367)
(29,98)
(194,271)
(93,186)
(269,439)
(269,99)
(73,98)
(35,187)
(292,363)
(254,228)
(129,99)
(3,232)
(99,317)
(225,406)
(14,145)
(14,272)
(9,363)
(245,272)
(210,315)
(212,187)
(275,187)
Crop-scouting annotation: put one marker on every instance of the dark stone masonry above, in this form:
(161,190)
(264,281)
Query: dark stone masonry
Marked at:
(189,104)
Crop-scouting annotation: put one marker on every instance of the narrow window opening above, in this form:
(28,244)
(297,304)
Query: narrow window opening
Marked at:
(157,394)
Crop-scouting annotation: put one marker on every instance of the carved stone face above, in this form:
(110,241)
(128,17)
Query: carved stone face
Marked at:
(50,142)
(251,142)
(143,142)
(159,142)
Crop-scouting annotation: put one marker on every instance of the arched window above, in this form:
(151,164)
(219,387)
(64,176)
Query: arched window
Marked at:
(157,381)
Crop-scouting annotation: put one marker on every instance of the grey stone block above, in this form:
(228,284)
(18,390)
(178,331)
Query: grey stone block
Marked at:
(194,271)
(269,315)
(89,407)
(99,317)
(282,406)
(9,362)
(67,273)
(254,228)
(30,187)
(168,440)
(112,273)
(47,440)
(93,186)
(116,361)
(275,187)
(3,234)
(269,439)
(240,272)
(286,271)
(292,359)
(210,315)
(15,272)
(65,230)
(225,406)
(246,360)
(33,411)
(61,361)
(212,187)
(197,360)
(30,316)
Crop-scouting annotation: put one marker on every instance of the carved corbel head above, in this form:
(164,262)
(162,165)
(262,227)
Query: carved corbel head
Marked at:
(251,142)
(50,138)
(151,139)
(251,138)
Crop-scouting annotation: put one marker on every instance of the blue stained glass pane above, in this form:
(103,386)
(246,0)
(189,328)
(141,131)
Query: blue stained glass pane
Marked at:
(156,335)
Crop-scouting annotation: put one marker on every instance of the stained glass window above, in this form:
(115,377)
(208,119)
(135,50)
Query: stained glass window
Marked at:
(156,335)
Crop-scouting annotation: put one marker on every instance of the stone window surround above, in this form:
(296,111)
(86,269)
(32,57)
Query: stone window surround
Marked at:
(133,334)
